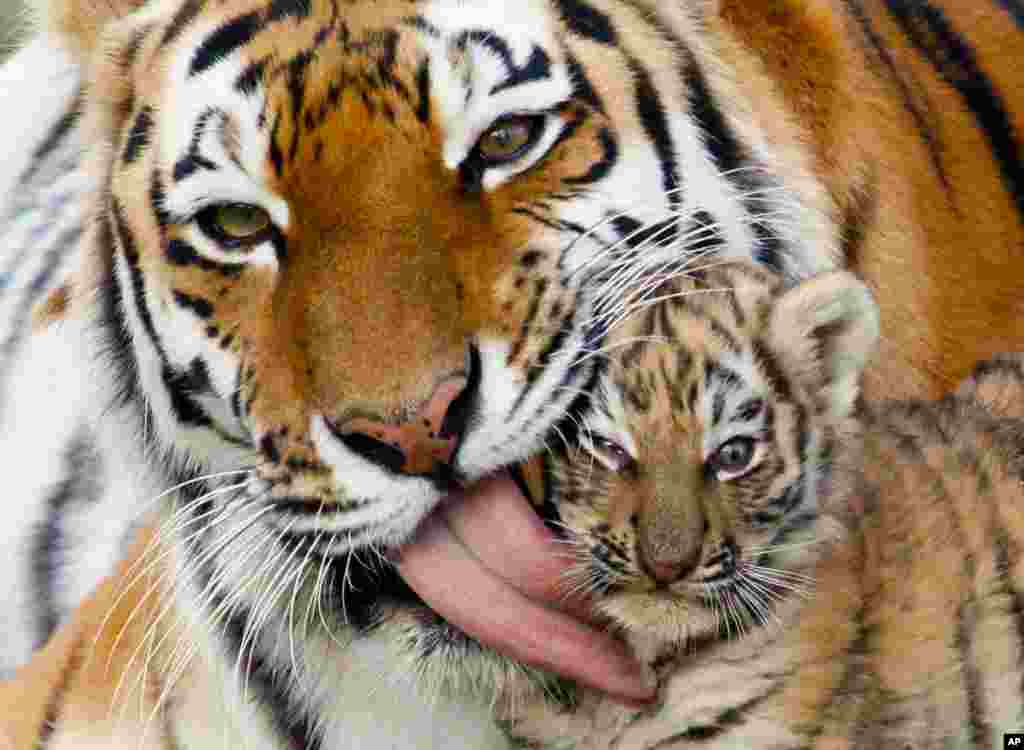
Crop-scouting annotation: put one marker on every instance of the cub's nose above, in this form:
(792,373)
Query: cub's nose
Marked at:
(670,544)
(420,446)
(667,571)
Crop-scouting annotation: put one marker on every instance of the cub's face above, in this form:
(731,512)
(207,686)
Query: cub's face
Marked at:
(692,507)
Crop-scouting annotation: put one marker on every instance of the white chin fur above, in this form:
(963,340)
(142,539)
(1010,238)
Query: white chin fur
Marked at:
(398,503)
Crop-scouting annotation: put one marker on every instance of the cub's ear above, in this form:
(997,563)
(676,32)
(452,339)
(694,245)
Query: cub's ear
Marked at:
(824,330)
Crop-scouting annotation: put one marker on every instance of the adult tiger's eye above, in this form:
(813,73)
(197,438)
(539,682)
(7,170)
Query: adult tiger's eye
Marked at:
(235,224)
(509,138)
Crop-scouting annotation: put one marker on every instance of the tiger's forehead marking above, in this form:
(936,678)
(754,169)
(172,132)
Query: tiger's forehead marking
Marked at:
(734,391)
(692,356)
(301,57)
(230,134)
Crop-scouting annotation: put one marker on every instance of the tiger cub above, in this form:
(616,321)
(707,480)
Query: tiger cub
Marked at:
(801,570)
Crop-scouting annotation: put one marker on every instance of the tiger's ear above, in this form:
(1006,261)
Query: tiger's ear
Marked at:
(80,23)
(825,330)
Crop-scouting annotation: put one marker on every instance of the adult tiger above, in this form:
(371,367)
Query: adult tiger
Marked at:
(264,237)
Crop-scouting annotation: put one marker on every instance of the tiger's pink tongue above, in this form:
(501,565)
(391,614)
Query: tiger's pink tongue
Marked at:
(489,566)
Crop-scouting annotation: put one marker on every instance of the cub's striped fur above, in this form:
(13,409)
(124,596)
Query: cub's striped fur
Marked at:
(996,383)
(248,246)
(803,570)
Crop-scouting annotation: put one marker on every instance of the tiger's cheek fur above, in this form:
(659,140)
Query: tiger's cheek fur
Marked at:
(182,309)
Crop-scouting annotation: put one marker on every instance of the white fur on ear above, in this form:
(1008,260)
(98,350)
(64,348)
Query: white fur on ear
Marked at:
(825,330)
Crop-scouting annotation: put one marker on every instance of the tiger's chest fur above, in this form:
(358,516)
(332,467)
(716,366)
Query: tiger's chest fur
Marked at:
(887,607)
(126,669)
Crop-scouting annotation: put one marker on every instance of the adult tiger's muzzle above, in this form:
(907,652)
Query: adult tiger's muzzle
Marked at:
(422,445)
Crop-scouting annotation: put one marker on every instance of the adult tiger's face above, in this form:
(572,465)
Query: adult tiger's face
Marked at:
(359,245)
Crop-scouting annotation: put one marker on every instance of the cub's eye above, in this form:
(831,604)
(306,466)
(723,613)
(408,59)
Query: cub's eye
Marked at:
(509,138)
(235,224)
(733,459)
(611,455)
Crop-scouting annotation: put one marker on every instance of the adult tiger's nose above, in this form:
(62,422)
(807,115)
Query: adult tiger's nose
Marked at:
(420,446)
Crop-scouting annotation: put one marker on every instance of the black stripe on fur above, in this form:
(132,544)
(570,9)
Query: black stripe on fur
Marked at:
(130,254)
(588,22)
(187,13)
(562,331)
(953,58)
(181,253)
(232,35)
(654,120)
(227,39)
(733,161)
(79,485)
(857,677)
(138,136)
(177,383)
(911,92)
(193,161)
(59,692)
(966,617)
(1007,554)
(268,683)
(57,135)
(726,720)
